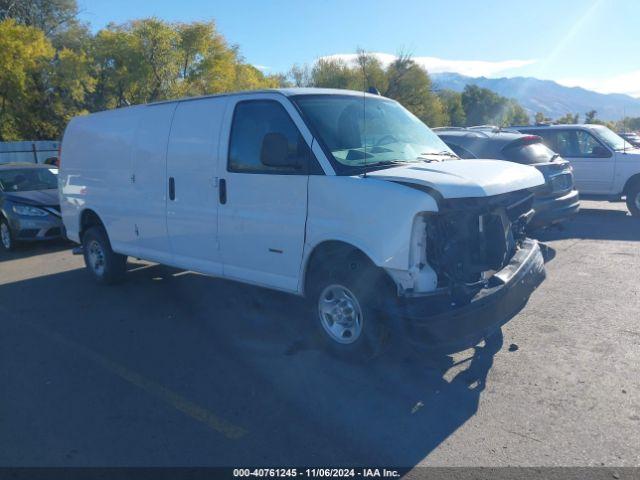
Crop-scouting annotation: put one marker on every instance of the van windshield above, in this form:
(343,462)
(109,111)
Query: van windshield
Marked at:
(373,133)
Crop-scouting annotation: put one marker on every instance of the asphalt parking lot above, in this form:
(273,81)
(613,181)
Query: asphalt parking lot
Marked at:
(178,369)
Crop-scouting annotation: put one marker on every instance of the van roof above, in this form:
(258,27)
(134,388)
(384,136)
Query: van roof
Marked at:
(288,92)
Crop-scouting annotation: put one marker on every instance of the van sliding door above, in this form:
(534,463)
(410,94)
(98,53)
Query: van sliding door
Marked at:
(148,178)
(192,195)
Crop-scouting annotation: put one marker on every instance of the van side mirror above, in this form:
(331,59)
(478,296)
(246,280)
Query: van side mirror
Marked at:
(600,152)
(275,152)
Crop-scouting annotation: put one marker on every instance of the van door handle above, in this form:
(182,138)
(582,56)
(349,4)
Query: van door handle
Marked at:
(222,188)
(172,188)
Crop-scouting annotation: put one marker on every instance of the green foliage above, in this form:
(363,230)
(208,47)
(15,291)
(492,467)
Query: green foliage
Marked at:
(540,118)
(47,79)
(46,15)
(485,107)
(590,116)
(628,124)
(452,102)
(335,73)
(410,85)
(24,51)
(568,119)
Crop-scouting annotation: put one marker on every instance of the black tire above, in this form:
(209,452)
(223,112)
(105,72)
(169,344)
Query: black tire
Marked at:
(633,199)
(106,266)
(7,240)
(363,281)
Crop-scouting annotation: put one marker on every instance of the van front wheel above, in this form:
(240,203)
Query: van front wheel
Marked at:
(106,266)
(344,300)
(633,199)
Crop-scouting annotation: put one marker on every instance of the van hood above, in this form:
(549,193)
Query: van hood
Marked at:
(465,178)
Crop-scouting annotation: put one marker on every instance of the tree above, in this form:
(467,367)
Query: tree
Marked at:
(299,75)
(590,116)
(44,81)
(515,114)
(23,52)
(628,124)
(46,15)
(373,74)
(335,73)
(409,84)
(452,102)
(481,105)
(569,119)
(540,118)
(484,106)
(148,60)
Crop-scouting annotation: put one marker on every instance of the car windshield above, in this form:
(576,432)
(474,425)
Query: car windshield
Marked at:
(28,179)
(371,133)
(612,139)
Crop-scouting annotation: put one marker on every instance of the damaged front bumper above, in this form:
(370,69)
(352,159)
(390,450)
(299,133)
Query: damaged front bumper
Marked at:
(438,319)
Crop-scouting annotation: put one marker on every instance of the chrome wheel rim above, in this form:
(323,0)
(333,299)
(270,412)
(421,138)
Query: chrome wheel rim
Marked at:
(5,235)
(96,258)
(340,314)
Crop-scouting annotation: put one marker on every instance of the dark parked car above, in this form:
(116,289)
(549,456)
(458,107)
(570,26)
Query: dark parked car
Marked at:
(556,201)
(29,205)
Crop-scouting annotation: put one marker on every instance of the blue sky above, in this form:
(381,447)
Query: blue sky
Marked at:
(590,43)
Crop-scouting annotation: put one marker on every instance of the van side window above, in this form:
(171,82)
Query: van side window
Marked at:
(264,139)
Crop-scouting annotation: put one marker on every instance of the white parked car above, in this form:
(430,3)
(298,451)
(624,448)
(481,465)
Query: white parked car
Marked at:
(604,164)
(345,198)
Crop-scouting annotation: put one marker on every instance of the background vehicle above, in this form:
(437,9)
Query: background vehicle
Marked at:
(603,164)
(287,189)
(631,137)
(556,201)
(29,204)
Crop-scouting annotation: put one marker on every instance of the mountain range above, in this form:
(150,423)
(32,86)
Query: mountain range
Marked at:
(546,96)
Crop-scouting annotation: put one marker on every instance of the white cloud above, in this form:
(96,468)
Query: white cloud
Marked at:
(262,67)
(471,68)
(628,83)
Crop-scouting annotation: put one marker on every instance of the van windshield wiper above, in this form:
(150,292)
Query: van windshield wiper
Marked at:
(383,163)
(443,153)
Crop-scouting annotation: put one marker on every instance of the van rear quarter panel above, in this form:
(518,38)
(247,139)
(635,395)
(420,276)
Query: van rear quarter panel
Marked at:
(374,215)
(95,172)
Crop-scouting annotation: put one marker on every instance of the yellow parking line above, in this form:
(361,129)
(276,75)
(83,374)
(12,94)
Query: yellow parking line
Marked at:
(168,396)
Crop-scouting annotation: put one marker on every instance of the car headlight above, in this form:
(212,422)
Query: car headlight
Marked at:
(29,211)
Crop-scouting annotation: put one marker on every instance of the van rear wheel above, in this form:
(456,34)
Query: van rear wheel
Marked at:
(344,299)
(106,266)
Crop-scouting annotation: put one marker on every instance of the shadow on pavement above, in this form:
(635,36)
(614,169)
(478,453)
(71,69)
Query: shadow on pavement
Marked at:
(596,224)
(241,353)
(30,249)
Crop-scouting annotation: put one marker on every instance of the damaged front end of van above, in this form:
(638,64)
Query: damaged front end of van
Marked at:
(485,266)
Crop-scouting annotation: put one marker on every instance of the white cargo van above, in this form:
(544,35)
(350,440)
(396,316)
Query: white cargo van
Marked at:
(345,198)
